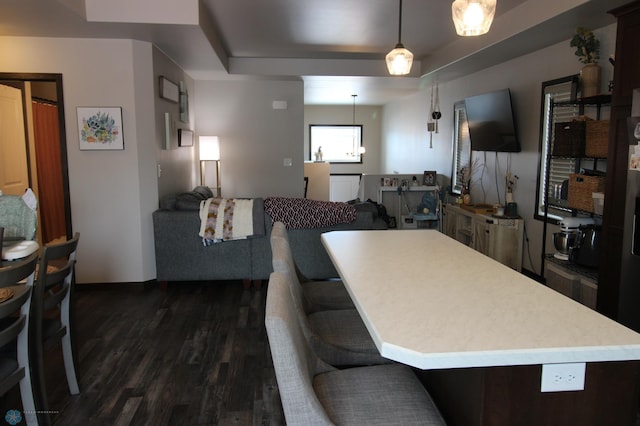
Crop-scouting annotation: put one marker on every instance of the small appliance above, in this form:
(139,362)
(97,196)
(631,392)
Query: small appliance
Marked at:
(586,249)
(564,240)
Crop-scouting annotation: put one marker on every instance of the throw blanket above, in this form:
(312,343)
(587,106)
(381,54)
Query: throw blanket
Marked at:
(298,213)
(224,219)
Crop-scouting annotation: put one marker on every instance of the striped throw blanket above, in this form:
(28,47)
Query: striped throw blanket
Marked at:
(225,219)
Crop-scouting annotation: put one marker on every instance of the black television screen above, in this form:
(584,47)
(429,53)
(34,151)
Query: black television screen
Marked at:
(491,122)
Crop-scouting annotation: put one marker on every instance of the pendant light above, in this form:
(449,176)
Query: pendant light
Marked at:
(473,17)
(357,150)
(399,60)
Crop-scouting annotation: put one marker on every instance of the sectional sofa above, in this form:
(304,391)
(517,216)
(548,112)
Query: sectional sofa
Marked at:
(182,256)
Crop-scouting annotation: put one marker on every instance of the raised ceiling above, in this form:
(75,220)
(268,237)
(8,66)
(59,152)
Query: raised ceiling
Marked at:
(336,46)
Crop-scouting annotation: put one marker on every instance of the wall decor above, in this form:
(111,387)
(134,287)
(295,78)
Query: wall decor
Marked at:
(184,103)
(429,178)
(185,137)
(100,128)
(169,90)
(169,131)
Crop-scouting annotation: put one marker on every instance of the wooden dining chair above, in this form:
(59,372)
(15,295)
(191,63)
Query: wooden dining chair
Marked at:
(338,336)
(319,295)
(51,315)
(315,393)
(16,284)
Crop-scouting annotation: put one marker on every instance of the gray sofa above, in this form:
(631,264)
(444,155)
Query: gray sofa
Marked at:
(182,256)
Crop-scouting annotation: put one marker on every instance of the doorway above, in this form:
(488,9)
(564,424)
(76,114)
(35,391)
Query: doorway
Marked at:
(42,160)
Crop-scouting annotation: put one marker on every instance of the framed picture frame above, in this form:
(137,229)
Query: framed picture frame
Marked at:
(170,133)
(184,103)
(100,128)
(185,137)
(429,178)
(169,90)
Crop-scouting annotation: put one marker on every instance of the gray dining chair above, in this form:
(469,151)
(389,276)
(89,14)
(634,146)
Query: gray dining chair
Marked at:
(16,281)
(315,393)
(338,336)
(52,318)
(318,295)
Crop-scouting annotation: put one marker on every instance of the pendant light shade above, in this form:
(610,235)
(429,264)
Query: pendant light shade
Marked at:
(399,60)
(473,17)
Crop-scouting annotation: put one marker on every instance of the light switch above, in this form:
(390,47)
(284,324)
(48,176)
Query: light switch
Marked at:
(279,105)
(288,162)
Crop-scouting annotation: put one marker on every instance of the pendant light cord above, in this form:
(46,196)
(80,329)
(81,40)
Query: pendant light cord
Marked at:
(400,24)
(354,110)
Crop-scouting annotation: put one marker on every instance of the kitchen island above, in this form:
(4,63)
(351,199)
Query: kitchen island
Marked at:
(483,332)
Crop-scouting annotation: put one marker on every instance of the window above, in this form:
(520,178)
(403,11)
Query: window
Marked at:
(461,169)
(558,168)
(338,143)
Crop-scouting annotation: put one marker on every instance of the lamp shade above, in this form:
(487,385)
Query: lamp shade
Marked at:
(209,148)
(473,17)
(399,60)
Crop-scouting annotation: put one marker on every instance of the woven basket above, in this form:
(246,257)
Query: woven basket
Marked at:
(597,138)
(581,189)
(569,139)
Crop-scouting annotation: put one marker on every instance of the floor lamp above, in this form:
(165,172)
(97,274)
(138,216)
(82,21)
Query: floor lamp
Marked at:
(210,152)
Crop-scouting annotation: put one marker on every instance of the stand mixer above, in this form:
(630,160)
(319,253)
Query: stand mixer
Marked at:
(564,240)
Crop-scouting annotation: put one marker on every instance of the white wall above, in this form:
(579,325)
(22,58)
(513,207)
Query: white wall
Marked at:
(178,165)
(112,192)
(371,119)
(254,137)
(405,139)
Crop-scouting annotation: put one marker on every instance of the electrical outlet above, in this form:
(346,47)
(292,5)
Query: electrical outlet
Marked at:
(563,377)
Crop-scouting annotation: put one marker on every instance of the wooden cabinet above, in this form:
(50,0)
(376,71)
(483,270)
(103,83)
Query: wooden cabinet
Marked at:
(626,77)
(499,238)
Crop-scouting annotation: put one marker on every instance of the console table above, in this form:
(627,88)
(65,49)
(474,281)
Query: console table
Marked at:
(500,238)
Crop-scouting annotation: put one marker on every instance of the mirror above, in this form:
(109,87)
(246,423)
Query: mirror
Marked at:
(34,153)
(461,168)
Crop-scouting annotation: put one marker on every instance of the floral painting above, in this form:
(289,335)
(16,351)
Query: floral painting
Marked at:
(100,128)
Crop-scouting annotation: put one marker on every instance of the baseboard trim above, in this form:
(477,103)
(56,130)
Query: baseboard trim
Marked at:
(120,286)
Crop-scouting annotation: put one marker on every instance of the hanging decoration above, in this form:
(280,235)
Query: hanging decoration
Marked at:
(434,113)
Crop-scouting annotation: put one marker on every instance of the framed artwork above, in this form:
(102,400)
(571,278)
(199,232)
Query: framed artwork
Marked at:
(100,128)
(185,137)
(184,103)
(169,90)
(169,131)
(429,178)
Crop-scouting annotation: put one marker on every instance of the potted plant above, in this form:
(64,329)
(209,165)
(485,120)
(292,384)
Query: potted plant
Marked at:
(588,52)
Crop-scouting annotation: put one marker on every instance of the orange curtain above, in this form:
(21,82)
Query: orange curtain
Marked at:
(49,171)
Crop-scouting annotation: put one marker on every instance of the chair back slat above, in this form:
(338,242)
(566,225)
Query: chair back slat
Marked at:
(16,271)
(11,331)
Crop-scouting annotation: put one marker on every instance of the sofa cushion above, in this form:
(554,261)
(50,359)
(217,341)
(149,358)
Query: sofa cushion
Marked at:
(189,201)
(205,191)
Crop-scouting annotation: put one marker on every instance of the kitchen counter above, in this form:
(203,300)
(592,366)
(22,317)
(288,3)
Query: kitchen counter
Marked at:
(482,335)
(432,302)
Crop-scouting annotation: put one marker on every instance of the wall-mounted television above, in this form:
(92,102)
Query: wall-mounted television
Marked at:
(492,126)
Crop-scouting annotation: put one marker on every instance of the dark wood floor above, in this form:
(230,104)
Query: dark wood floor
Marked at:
(193,354)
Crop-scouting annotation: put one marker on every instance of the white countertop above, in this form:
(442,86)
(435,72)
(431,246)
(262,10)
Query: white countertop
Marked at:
(432,302)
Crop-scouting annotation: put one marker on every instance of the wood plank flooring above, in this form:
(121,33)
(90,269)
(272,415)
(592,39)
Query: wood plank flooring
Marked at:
(193,354)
